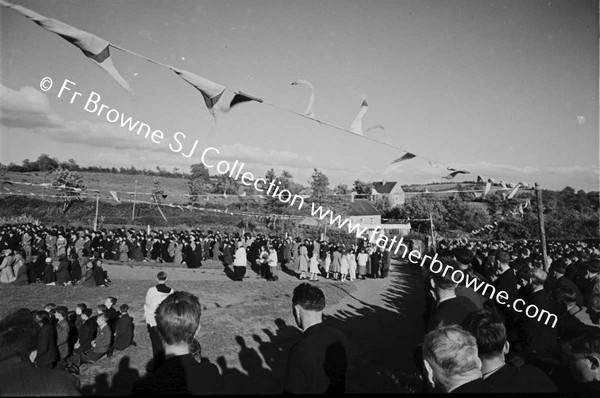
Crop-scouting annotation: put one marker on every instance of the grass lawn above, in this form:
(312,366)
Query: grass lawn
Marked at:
(247,328)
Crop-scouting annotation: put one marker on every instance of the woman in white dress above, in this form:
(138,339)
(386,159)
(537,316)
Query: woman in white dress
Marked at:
(345,266)
(327,263)
(362,259)
(303,261)
(352,262)
(314,267)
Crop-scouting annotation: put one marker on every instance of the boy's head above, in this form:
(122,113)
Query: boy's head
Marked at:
(49,307)
(102,319)
(61,312)
(101,309)
(79,308)
(109,302)
(178,318)
(582,353)
(86,314)
(124,308)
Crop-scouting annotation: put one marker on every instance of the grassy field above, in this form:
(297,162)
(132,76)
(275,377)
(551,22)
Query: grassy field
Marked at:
(246,329)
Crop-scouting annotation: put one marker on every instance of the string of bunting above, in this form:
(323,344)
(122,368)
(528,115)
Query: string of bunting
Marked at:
(216,97)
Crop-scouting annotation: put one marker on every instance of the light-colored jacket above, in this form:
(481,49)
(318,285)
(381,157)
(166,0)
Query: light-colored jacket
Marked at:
(240,259)
(153,299)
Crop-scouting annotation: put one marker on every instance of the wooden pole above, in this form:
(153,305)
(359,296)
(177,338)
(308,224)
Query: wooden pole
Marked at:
(96,217)
(432,233)
(540,207)
(134,198)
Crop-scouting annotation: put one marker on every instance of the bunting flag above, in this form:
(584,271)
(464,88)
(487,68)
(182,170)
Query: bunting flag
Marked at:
(310,112)
(477,194)
(513,192)
(225,194)
(454,173)
(488,186)
(115,197)
(356,126)
(406,156)
(243,194)
(94,47)
(210,90)
(233,98)
(164,195)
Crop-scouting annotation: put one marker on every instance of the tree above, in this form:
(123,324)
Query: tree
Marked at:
(46,163)
(362,187)
(199,181)
(319,184)
(341,189)
(71,183)
(419,208)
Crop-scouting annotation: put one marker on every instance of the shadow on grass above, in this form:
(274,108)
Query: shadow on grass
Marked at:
(382,339)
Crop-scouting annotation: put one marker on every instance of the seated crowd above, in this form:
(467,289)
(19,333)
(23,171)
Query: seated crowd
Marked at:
(475,344)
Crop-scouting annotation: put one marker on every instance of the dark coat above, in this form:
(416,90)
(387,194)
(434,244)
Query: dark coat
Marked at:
(123,332)
(62,274)
(87,333)
(47,352)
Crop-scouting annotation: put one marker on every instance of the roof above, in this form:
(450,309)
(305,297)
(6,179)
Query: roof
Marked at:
(362,207)
(380,187)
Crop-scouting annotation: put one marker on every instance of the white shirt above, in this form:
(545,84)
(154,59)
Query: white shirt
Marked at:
(153,299)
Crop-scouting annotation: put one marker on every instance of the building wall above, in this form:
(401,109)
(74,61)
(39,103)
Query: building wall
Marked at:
(366,221)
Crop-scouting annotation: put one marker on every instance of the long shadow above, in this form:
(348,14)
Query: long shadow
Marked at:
(290,270)
(381,338)
(381,341)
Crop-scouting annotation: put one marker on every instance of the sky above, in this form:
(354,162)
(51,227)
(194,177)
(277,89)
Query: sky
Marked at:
(504,89)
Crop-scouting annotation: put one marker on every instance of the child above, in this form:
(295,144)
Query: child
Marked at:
(314,267)
(111,312)
(62,333)
(123,329)
(88,279)
(327,263)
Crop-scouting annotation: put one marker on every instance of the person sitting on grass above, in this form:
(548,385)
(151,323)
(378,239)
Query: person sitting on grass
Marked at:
(88,279)
(111,312)
(178,322)
(123,329)
(100,345)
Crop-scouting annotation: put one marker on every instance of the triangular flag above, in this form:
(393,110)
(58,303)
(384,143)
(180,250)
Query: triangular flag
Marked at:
(225,194)
(210,90)
(477,194)
(514,191)
(164,195)
(243,194)
(377,126)
(406,156)
(310,112)
(356,126)
(488,186)
(94,47)
(115,197)
(454,173)
(233,98)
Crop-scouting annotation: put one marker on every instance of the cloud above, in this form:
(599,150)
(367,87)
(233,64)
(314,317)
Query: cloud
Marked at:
(29,108)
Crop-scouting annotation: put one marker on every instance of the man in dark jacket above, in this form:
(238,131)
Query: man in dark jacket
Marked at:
(318,361)
(177,321)
(87,332)
(123,329)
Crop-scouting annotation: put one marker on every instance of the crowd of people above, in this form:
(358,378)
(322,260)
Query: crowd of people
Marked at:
(61,340)
(472,343)
(69,256)
(475,344)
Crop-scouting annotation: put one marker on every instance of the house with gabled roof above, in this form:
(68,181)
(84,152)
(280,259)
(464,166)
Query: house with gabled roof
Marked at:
(391,191)
(363,212)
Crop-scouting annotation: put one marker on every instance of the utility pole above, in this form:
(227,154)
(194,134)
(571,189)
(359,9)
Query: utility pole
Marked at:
(432,232)
(134,197)
(540,207)
(96,217)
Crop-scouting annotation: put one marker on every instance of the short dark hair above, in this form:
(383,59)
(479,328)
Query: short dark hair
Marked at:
(64,311)
(113,300)
(42,317)
(463,255)
(503,257)
(565,294)
(178,318)
(82,306)
(87,312)
(102,308)
(488,329)
(124,308)
(309,297)
(559,265)
(161,276)
(104,316)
